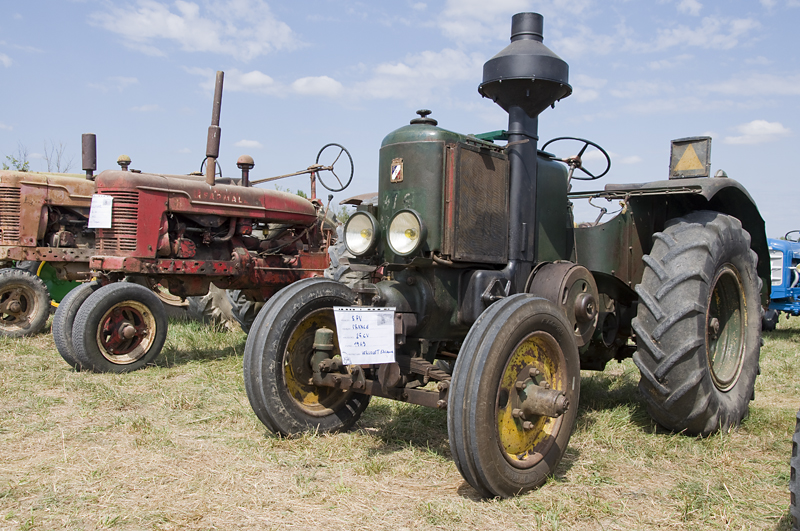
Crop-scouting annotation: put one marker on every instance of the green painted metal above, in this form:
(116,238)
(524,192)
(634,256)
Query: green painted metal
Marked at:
(58,288)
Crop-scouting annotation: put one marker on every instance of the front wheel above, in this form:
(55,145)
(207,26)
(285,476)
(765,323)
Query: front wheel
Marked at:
(698,324)
(64,319)
(519,357)
(277,361)
(120,327)
(24,303)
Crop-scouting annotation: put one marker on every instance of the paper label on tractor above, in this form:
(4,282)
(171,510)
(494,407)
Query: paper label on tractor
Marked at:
(366,335)
(100,212)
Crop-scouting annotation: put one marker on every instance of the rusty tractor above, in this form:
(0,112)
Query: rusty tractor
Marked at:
(45,244)
(480,296)
(186,233)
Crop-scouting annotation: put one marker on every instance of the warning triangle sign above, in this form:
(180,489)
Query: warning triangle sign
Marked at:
(689,161)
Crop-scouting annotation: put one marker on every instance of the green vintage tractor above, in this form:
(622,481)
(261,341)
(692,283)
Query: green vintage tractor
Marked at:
(494,301)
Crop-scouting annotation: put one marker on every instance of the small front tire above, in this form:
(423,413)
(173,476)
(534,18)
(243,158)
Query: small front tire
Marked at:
(277,361)
(64,319)
(120,327)
(24,303)
(518,343)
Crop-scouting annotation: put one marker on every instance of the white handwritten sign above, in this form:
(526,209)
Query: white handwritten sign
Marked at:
(100,212)
(366,335)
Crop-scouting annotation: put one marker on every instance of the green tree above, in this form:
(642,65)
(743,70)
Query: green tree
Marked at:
(19,161)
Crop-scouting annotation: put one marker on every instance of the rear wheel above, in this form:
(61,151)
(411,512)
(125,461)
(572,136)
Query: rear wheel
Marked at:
(698,324)
(521,347)
(794,477)
(120,327)
(24,303)
(65,318)
(277,361)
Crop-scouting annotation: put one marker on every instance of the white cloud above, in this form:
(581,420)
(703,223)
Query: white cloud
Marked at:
(632,159)
(760,61)
(249,144)
(318,86)
(664,64)
(769,4)
(5,127)
(419,6)
(420,76)
(5,60)
(758,132)
(474,21)
(581,40)
(585,88)
(692,7)
(714,32)
(757,85)
(235,80)
(184,151)
(146,108)
(244,29)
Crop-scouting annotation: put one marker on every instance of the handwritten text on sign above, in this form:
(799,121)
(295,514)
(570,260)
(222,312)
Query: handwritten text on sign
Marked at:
(366,335)
(100,212)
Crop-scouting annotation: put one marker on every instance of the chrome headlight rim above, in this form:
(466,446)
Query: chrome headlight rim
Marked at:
(372,241)
(420,226)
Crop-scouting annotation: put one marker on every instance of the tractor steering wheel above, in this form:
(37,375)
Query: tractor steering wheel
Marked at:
(576,163)
(336,156)
(794,238)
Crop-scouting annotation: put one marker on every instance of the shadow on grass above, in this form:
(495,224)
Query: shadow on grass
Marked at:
(191,341)
(790,334)
(400,425)
(601,392)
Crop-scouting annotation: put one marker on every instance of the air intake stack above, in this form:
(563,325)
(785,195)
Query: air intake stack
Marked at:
(524,79)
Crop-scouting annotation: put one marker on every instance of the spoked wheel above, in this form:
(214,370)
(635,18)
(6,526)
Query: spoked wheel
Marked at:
(277,361)
(65,318)
(698,324)
(24,303)
(514,396)
(119,328)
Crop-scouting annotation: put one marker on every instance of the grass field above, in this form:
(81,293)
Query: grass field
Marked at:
(176,446)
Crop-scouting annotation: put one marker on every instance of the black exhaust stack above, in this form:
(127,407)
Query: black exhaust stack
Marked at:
(524,79)
(89,154)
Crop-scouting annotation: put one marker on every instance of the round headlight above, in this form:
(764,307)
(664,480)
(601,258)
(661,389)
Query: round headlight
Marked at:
(406,232)
(360,233)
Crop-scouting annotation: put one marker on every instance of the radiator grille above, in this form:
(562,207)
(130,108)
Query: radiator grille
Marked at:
(122,234)
(9,214)
(480,228)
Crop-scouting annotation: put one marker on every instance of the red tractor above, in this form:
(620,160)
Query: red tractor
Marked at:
(186,233)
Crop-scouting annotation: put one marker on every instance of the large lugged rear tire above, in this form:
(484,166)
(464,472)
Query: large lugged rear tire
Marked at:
(120,327)
(698,324)
(518,344)
(277,361)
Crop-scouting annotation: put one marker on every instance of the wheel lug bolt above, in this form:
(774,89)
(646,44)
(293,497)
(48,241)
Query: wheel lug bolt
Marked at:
(520,385)
(517,413)
(534,372)
(527,425)
(545,384)
(14,307)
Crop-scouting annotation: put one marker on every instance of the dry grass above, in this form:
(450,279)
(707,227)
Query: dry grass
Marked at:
(177,447)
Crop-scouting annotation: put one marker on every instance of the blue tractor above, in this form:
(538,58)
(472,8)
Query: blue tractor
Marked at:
(784,258)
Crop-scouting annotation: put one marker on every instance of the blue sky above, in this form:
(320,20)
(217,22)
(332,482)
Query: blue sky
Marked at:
(298,75)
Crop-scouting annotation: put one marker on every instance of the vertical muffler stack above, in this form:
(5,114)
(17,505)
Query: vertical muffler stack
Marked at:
(524,79)
(89,154)
(212,145)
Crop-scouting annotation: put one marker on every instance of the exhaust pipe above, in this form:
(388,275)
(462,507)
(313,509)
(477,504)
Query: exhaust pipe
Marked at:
(524,79)
(89,154)
(212,144)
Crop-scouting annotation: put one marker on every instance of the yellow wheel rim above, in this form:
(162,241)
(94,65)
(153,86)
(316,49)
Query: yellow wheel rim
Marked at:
(536,360)
(297,370)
